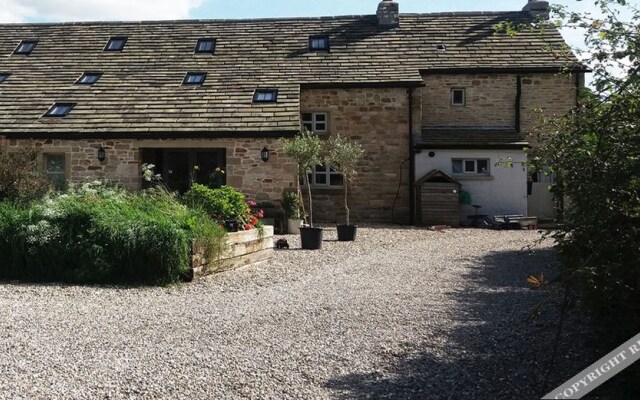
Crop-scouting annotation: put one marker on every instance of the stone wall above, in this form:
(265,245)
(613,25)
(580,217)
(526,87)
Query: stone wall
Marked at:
(491,98)
(245,170)
(379,120)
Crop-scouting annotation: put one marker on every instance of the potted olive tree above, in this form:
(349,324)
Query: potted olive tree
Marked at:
(305,149)
(292,207)
(344,156)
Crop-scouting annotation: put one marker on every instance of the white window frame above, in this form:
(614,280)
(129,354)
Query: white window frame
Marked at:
(464,97)
(314,122)
(328,173)
(475,166)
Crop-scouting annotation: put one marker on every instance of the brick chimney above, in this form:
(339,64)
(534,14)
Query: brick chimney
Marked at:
(537,8)
(388,14)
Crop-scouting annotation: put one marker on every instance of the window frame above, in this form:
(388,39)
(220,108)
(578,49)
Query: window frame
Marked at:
(4,76)
(327,46)
(98,75)
(186,82)
(464,97)
(257,93)
(314,122)
(475,171)
(65,170)
(328,173)
(49,113)
(124,40)
(202,40)
(34,43)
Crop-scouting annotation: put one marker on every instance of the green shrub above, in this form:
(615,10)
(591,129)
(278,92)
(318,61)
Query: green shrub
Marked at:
(223,204)
(103,235)
(292,205)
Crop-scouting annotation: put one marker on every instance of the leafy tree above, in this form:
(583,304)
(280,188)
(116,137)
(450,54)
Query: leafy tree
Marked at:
(344,156)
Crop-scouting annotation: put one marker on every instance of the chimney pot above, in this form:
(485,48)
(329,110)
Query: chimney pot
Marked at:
(537,8)
(388,14)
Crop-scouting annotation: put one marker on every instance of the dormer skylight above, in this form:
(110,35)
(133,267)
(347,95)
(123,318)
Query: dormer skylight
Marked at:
(205,46)
(319,43)
(59,110)
(265,96)
(25,47)
(89,78)
(194,78)
(116,44)
(441,48)
(3,76)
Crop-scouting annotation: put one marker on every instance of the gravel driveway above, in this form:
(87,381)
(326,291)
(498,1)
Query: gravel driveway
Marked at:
(401,313)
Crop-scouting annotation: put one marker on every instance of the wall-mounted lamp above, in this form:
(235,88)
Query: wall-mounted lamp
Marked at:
(102,154)
(432,154)
(264,154)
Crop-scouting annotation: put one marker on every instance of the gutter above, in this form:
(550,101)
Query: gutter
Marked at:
(518,102)
(412,163)
(151,135)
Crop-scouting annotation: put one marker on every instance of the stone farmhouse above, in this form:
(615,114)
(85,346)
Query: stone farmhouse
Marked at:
(420,92)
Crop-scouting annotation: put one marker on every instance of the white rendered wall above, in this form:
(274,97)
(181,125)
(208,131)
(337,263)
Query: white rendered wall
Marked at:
(504,192)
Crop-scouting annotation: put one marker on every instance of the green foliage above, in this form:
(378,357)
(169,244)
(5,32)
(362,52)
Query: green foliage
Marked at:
(19,181)
(306,150)
(344,155)
(292,205)
(222,204)
(95,234)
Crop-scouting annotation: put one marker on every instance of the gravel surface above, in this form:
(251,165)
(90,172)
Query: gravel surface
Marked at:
(401,313)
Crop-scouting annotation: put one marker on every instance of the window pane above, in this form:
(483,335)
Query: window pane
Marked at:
(483,166)
(321,117)
(308,126)
(321,179)
(55,170)
(456,166)
(321,127)
(307,117)
(458,97)
(321,168)
(205,46)
(337,180)
(469,166)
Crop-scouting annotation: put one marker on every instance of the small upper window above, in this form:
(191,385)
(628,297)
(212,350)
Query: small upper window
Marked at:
(265,96)
(3,77)
(470,166)
(319,43)
(315,122)
(206,46)
(25,47)
(458,97)
(59,110)
(115,44)
(194,78)
(89,78)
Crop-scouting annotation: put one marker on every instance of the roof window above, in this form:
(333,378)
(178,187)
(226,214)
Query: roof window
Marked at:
(265,96)
(441,47)
(25,47)
(194,78)
(89,78)
(319,43)
(206,46)
(4,77)
(116,44)
(60,110)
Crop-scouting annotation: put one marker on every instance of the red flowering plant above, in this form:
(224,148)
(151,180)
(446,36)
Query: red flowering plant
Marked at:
(253,217)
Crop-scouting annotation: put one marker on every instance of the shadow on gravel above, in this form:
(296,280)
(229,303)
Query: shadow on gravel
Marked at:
(492,351)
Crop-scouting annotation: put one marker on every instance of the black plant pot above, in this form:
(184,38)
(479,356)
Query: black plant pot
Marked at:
(311,238)
(231,226)
(347,233)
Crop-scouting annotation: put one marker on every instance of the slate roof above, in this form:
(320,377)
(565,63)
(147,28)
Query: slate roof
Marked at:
(141,91)
(471,138)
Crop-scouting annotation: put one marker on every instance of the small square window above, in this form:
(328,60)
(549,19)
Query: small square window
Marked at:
(25,47)
(470,166)
(458,97)
(89,78)
(4,77)
(116,44)
(319,43)
(59,110)
(206,46)
(194,78)
(315,122)
(483,166)
(265,96)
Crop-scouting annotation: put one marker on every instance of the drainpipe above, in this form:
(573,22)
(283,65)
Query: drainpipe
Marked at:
(518,102)
(412,163)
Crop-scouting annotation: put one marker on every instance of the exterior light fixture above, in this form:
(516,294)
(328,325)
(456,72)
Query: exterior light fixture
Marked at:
(264,154)
(102,154)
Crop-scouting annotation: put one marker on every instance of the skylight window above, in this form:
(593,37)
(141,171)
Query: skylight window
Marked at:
(194,78)
(59,110)
(319,43)
(116,44)
(207,46)
(25,47)
(89,78)
(265,96)
(3,77)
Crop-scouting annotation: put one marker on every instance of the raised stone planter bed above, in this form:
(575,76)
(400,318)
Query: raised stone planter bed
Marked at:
(243,248)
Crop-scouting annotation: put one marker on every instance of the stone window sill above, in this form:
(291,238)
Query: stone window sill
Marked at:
(469,177)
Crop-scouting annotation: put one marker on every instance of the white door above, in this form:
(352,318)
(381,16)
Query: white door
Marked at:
(540,201)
